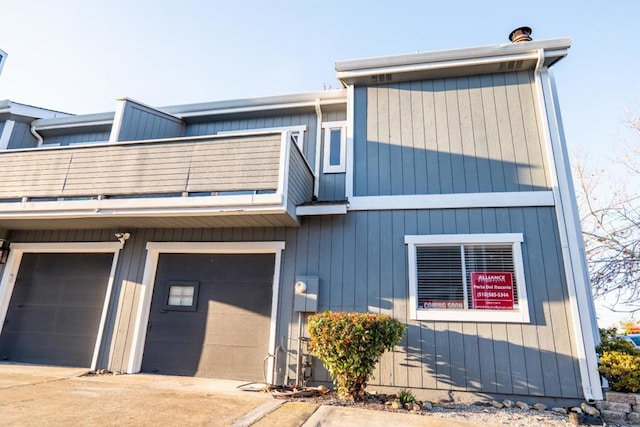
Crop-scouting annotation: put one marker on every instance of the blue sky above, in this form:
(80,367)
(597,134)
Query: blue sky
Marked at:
(78,56)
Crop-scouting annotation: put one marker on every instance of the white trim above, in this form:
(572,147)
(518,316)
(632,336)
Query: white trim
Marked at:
(349,177)
(333,209)
(283,172)
(451,201)
(459,239)
(116,127)
(578,286)
(44,128)
(269,107)
(18,109)
(521,315)
(154,249)
(316,170)
(6,134)
(152,110)
(327,167)
(3,59)
(12,268)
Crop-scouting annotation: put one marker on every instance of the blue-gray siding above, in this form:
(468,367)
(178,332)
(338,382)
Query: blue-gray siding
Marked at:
(300,185)
(21,136)
(77,138)
(140,123)
(361,261)
(456,135)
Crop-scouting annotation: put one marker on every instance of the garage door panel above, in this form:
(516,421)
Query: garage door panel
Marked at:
(227,337)
(55,308)
(234,330)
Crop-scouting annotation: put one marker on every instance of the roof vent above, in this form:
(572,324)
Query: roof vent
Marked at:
(519,35)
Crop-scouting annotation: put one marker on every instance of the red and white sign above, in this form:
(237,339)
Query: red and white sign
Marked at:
(492,290)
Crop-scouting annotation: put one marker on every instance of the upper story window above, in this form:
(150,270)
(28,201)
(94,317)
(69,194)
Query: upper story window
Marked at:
(468,277)
(335,147)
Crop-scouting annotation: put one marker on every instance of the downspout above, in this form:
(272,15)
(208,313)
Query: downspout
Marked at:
(35,133)
(568,228)
(316,181)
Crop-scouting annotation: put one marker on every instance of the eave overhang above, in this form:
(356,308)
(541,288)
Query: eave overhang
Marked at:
(451,63)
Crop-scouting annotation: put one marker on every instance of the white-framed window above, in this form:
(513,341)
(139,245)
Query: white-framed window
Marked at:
(467,277)
(297,132)
(335,147)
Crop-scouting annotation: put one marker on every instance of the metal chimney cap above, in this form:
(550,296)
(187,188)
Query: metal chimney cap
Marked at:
(521,34)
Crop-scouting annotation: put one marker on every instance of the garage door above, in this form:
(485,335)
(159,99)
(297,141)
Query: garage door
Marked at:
(210,316)
(55,308)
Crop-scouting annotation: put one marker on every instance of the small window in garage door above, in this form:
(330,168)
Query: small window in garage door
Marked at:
(181,296)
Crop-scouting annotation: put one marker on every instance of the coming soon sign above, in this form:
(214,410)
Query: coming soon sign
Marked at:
(492,290)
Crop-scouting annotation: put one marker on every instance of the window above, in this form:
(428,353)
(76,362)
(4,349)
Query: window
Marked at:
(335,138)
(181,296)
(472,277)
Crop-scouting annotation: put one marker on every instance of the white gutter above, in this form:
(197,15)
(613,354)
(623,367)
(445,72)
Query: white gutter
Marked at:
(316,181)
(570,233)
(35,133)
(232,110)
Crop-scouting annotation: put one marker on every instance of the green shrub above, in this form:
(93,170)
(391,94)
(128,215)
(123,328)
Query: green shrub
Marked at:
(621,370)
(619,362)
(350,344)
(405,396)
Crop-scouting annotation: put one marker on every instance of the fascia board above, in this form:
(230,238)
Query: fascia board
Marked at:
(74,121)
(256,104)
(549,46)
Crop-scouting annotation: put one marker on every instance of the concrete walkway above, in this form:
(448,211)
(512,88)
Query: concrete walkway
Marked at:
(44,395)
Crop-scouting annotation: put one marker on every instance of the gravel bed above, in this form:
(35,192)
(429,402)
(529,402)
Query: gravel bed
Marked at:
(474,413)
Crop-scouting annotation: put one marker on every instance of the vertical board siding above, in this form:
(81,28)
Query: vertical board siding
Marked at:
(21,136)
(140,123)
(361,262)
(76,138)
(300,187)
(455,135)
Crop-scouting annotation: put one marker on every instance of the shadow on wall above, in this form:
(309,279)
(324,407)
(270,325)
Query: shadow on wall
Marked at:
(485,358)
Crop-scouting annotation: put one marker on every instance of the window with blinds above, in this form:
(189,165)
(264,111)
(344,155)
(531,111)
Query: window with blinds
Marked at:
(462,277)
(467,277)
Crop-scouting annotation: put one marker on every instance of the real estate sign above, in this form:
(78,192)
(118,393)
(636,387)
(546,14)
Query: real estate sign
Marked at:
(492,290)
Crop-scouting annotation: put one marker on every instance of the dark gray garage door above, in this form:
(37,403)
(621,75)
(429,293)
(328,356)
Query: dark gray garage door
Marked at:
(224,333)
(54,311)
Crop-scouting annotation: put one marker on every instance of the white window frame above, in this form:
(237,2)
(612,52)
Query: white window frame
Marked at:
(520,315)
(298,130)
(326,165)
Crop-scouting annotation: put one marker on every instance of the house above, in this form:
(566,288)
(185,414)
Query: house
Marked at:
(195,239)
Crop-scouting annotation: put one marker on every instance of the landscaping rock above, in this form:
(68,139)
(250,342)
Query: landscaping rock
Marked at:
(617,407)
(577,410)
(613,415)
(634,417)
(559,411)
(427,406)
(416,407)
(396,404)
(507,403)
(628,398)
(540,407)
(497,404)
(523,406)
(574,418)
(589,410)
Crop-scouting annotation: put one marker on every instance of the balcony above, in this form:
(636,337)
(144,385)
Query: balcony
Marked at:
(248,180)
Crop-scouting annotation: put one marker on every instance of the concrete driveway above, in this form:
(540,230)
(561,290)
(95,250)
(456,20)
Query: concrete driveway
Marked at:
(54,396)
(42,395)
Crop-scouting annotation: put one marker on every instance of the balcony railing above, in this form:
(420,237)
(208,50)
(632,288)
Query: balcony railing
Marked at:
(251,174)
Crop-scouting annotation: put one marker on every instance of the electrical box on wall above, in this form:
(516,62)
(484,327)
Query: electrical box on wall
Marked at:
(305,298)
